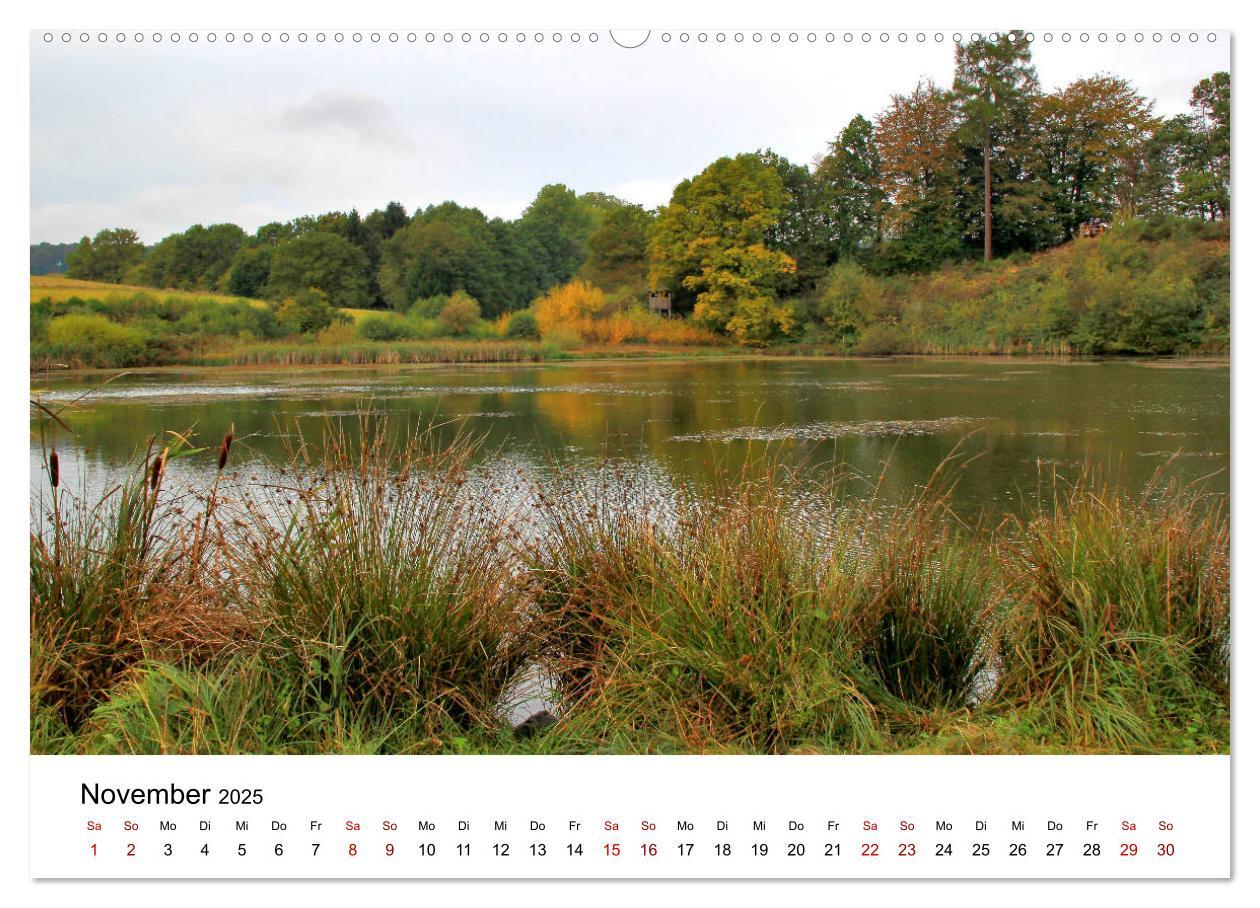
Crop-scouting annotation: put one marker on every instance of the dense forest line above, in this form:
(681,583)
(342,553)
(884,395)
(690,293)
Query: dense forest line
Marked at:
(50,258)
(763,250)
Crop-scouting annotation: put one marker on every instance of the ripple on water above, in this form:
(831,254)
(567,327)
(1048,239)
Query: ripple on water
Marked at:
(1204,364)
(306,392)
(623,391)
(108,392)
(345,414)
(1059,433)
(857,384)
(819,431)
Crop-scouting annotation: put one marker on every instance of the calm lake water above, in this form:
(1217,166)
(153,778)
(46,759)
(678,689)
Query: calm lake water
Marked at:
(1014,418)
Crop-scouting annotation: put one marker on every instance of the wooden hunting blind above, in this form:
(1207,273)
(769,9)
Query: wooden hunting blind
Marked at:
(661,301)
(1094,227)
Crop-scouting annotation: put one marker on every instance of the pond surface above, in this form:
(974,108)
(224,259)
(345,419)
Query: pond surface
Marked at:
(1012,419)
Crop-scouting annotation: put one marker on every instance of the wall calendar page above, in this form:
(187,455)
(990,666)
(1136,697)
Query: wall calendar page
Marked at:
(568,452)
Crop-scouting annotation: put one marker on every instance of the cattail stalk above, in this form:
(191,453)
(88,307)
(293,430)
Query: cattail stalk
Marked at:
(54,468)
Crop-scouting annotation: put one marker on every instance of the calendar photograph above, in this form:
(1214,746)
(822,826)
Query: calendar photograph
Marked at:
(624,392)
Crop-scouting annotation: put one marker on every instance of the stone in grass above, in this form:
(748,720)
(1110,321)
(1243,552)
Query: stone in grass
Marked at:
(531,701)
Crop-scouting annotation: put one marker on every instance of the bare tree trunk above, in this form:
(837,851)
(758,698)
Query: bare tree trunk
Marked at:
(988,203)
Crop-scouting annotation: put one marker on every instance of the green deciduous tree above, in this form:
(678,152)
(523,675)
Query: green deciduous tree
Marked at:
(196,259)
(322,261)
(711,243)
(849,299)
(800,229)
(617,257)
(107,257)
(1203,175)
(447,248)
(250,272)
(378,227)
(559,225)
(50,258)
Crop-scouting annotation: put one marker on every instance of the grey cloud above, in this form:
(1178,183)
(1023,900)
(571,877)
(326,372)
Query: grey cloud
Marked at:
(366,117)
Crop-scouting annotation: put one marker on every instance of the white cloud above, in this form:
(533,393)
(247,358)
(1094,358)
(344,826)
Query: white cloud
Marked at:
(171,208)
(648,193)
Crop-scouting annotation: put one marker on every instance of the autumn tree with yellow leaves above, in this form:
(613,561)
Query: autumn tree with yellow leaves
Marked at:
(710,242)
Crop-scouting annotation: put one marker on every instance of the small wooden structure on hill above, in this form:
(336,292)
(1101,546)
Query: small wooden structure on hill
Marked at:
(661,301)
(1094,227)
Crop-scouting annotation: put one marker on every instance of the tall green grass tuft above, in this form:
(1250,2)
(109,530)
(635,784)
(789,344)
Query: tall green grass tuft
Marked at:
(237,703)
(383,590)
(922,605)
(585,568)
(232,705)
(719,623)
(1118,621)
(744,633)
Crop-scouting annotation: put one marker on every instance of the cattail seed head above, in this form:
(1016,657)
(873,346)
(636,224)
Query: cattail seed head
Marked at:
(223,450)
(159,466)
(54,468)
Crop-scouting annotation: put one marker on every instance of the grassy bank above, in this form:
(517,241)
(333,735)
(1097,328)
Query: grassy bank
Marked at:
(379,599)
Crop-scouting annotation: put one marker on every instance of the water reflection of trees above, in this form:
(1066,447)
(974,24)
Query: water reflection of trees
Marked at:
(1026,416)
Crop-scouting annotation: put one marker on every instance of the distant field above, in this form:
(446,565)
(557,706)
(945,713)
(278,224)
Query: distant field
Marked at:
(59,288)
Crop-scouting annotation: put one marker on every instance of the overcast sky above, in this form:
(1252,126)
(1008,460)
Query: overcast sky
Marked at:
(158,137)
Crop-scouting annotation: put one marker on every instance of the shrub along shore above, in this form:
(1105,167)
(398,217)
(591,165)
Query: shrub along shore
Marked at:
(376,597)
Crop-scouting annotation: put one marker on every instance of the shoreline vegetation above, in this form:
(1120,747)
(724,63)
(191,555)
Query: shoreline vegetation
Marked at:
(373,596)
(1141,290)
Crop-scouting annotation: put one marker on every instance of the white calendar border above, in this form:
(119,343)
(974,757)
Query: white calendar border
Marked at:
(501,13)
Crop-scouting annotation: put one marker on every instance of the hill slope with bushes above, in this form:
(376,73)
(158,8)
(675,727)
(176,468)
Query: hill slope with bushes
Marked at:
(1148,287)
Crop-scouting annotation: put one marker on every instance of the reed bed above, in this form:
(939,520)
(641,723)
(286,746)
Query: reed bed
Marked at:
(120,579)
(1117,619)
(374,596)
(381,353)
